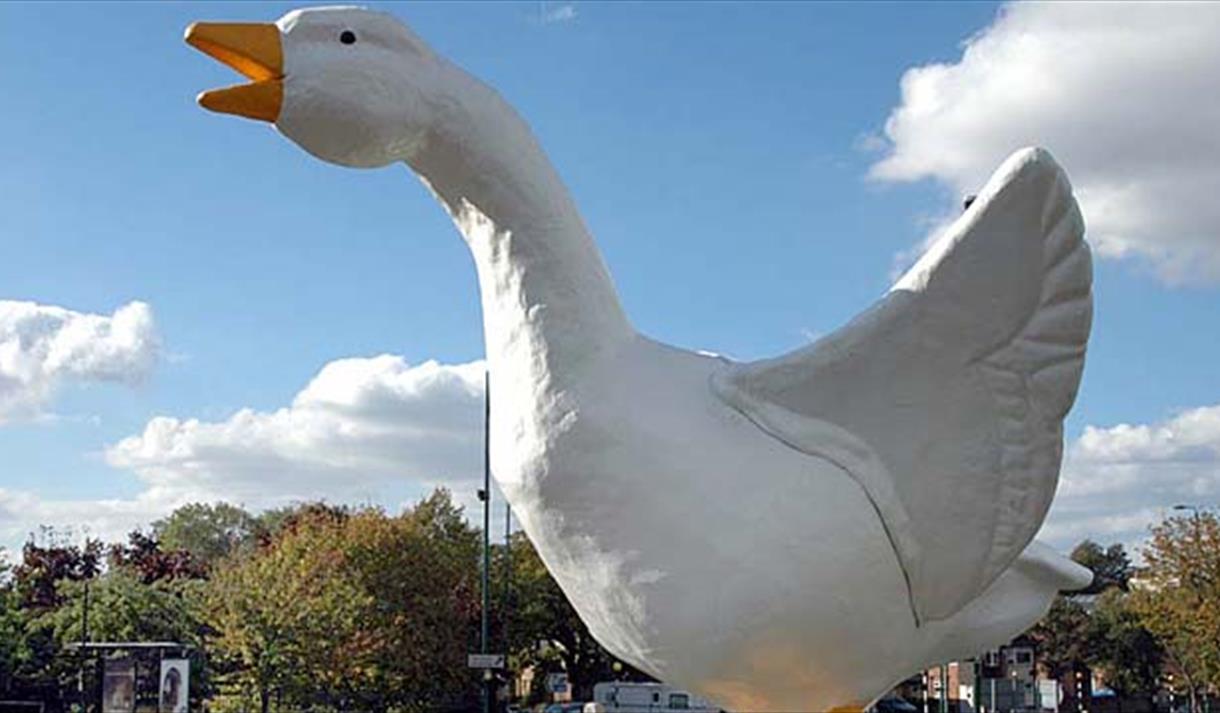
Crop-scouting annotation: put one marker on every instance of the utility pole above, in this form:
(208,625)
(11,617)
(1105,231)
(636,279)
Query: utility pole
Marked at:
(485,496)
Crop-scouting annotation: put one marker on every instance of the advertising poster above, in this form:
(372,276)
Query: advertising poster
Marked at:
(119,686)
(175,685)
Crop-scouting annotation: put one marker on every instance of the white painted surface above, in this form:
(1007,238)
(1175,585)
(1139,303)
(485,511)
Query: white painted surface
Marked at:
(768,534)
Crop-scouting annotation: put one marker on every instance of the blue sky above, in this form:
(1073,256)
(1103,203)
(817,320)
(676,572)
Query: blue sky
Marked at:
(723,154)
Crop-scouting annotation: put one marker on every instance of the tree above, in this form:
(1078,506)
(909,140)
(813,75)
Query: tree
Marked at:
(1126,654)
(144,556)
(39,586)
(1094,627)
(121,607)
(208,532)
(353,610)
(1179,598)
(1111,566)
(1063,637)
(42,569)
(12,630)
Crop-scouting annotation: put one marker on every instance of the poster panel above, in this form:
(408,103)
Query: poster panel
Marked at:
(119,685)
(175,685)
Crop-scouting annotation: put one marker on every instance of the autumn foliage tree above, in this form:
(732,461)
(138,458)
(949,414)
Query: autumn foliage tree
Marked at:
(1179,598)
(353,611)
(1098,629)
(145,557)
(44,568)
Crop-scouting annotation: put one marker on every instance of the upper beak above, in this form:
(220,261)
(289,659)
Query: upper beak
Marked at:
(253,49)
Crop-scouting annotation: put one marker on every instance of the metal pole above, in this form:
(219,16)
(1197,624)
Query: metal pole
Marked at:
(508,566)
(508,579)
(84,639)
(944,688)
(486,498)
(976,692)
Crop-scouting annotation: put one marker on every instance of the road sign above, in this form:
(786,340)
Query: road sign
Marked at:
(485,661)
(557,682)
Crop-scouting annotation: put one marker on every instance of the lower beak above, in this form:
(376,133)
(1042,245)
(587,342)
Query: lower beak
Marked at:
(254,50)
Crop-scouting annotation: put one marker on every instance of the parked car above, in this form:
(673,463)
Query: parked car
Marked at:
(893,705)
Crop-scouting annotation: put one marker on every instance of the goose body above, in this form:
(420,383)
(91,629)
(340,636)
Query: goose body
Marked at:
(793,534)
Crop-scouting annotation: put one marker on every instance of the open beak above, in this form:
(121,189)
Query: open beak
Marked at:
(254,50)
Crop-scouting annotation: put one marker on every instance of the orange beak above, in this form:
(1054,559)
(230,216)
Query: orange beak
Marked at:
(254,50)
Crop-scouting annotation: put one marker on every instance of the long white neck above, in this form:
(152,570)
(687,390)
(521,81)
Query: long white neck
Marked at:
(549,306)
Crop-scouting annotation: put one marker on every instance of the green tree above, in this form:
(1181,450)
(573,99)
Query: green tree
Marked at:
(1111,566)
(121,607)
(208,532)
(1179,598)
(12,629)
(1126,654)
(1063,637)
(124,608)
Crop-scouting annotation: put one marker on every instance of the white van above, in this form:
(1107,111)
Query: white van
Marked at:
(618,697)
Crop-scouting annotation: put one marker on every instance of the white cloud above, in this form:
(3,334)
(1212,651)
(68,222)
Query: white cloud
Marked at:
(363,430)
(42,346)
(562,12)
(23,514)
(1119,480)
(359,427)
(1122,93)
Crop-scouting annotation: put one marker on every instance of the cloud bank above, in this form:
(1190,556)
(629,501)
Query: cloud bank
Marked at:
(42,347)
(362,430)
(1123,94)
(1119,480)
(360,424)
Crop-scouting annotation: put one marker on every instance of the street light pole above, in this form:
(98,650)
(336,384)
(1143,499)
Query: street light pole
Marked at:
(1194,518)
(1198,528)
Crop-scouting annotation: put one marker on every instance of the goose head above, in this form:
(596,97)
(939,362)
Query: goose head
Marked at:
(351,86)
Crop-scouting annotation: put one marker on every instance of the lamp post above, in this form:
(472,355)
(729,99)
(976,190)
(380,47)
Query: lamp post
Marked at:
(1198,528)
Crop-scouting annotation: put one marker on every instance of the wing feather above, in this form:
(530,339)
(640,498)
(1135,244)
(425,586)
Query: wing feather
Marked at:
(946,400)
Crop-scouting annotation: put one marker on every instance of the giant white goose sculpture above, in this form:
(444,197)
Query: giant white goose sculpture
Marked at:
(797,533)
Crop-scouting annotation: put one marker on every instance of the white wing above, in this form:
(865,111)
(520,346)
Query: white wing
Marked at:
(945,401)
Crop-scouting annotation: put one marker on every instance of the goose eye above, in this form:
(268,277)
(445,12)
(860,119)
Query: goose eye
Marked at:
(347,37)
